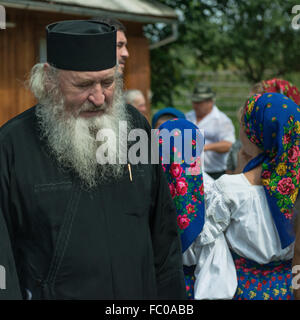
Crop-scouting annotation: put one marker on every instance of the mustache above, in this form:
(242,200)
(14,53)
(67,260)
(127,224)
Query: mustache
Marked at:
(89,106)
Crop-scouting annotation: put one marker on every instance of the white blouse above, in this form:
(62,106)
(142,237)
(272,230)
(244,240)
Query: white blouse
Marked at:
(237,217)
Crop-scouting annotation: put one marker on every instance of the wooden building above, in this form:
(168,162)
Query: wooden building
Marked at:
(22,42)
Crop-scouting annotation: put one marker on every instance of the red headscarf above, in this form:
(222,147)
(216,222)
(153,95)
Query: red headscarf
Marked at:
(284,87)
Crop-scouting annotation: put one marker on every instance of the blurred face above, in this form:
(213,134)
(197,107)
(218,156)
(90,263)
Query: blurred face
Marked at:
(140,104)
(122,52)
(87,94)
(203,108)
(163,119)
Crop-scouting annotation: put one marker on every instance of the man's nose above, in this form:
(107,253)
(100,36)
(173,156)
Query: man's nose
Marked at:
(97,96)
(125,53)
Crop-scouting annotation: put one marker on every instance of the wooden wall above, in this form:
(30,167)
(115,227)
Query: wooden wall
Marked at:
(19,51)
(17,55)
(137,71)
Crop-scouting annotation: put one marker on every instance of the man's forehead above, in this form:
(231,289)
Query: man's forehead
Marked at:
(89,75)
(121,36)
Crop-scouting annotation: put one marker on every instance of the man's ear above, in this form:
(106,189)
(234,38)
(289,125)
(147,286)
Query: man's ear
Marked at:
(46,67)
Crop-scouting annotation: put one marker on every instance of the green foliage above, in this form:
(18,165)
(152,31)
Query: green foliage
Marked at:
(254,37)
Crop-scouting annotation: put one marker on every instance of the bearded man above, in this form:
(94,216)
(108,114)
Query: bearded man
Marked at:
(79,229)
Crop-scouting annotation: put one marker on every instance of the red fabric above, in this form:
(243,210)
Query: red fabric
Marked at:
(284,87)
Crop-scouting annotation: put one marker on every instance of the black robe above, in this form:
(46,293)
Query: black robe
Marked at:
(9,286)
(117,241)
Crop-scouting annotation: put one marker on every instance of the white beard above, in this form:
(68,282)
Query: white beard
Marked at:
(72,140)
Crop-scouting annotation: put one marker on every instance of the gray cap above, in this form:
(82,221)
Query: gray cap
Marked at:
(202,92)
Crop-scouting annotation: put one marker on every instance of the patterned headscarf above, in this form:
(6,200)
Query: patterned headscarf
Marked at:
(272,122)
(184,177)
(284,87)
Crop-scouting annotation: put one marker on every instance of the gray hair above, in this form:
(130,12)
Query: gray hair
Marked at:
(43,84)
(131,95)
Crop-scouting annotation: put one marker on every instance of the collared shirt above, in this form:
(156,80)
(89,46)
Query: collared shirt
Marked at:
(217,127)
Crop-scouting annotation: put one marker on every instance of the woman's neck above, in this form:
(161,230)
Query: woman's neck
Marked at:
(254,176)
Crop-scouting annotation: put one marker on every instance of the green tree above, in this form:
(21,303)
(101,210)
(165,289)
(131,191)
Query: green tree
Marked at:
(252,37)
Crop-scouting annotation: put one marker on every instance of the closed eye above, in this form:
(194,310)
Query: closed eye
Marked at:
(84,84)
(121,44)
(108,83)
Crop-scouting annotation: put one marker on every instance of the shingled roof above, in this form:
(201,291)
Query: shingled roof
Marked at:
(147,11)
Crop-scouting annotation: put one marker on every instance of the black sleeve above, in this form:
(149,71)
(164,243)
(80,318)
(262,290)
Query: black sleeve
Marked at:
(9,283)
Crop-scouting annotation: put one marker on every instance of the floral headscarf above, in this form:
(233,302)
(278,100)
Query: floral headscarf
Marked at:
(284,87)
(272,122)
(185,178)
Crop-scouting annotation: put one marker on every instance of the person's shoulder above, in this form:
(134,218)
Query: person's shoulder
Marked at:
(17,124)
(234,189)
(132,110)
(139,121)
(232,182)
(222,115)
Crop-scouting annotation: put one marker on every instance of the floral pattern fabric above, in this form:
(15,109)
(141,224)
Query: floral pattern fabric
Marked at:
(189,279)
(185,181)
(284,87)
(184,177)
(272,122)
(272,281)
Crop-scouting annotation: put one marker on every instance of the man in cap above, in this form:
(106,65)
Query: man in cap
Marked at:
(81,226)
(218,129)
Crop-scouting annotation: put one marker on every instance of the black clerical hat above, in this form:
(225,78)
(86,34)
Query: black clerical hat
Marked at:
(81,45)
